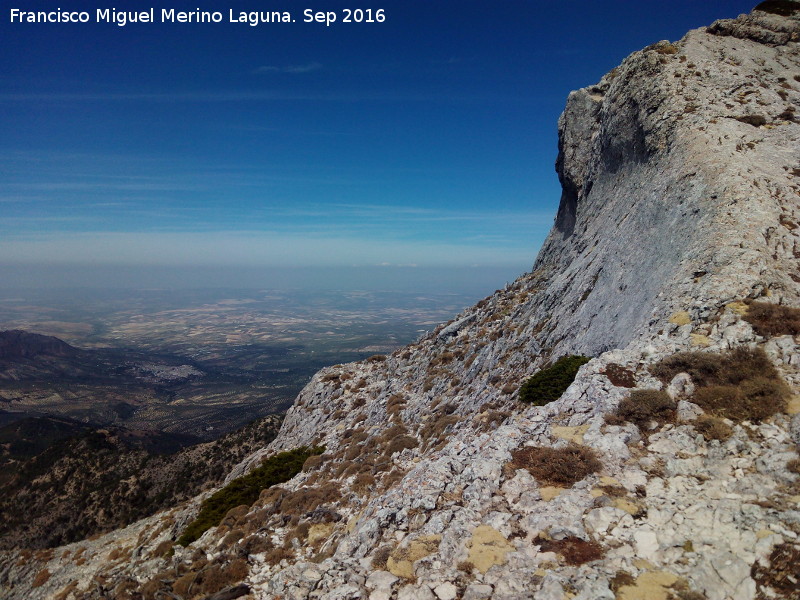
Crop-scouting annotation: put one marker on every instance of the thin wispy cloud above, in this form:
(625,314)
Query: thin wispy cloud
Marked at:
(291,69)
(237,248)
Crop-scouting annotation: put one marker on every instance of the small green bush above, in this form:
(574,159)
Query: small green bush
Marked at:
(245,490)
(549,384)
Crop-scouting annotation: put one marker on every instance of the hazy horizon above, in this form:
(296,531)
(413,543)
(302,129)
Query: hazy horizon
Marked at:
(194,154)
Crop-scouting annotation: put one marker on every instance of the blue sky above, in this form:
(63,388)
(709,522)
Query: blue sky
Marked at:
(425,140)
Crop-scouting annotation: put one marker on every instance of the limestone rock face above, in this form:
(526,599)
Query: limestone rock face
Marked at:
(681,199)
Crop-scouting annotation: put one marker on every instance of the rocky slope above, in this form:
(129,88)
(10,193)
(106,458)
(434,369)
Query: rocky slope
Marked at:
(63,480)
(681,180)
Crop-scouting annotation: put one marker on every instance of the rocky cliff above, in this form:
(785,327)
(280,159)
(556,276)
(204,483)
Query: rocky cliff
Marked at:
(656,474)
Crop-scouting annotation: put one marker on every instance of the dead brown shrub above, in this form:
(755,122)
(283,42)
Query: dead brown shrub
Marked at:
(644,406)
(399,444)
(769,320)
(620,376)
(41,578)
(793,465)
(781,575)
(363,483)
(752,400)
(741,384)
(713,428)
(380,557)
(574,550)
(305,500)
(557,466)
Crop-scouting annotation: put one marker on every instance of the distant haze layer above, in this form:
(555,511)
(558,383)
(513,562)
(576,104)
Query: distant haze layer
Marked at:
(468,281)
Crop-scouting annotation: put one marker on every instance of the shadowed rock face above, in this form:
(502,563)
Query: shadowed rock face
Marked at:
(680,175)
(16,343)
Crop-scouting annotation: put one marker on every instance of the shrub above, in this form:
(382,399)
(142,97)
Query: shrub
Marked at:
(549,384)
(620,376)
(41,578)
(709,368)
(713,428)
(399,444)
(667,49)
(780,575)
(741,384)
(793,465)
(752,400)
(557,466)
(246,489)
(574,550)
(643,406)
(769,320)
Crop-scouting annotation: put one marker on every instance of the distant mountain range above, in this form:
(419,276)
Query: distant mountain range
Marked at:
(44,376)
(17,344)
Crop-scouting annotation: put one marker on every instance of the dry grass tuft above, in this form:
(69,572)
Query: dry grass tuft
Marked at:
(557,466)
(752,400)
(380,557)
(741,384)
(781,576)
(620,376)
(41,578)
(644,406)
(713,428)
(574,550)
(769,320)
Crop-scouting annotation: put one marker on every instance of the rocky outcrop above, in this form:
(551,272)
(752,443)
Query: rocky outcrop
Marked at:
(680,202)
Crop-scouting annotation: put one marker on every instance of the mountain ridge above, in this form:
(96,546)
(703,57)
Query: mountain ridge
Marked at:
(680,208)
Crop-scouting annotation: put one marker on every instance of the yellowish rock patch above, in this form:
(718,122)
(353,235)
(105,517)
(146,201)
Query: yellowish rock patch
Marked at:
(487,548)
(626,505)
(401,561)
(571,434)
(740,308)
(680,318)
(648,586)
(549,492)
(319,531)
